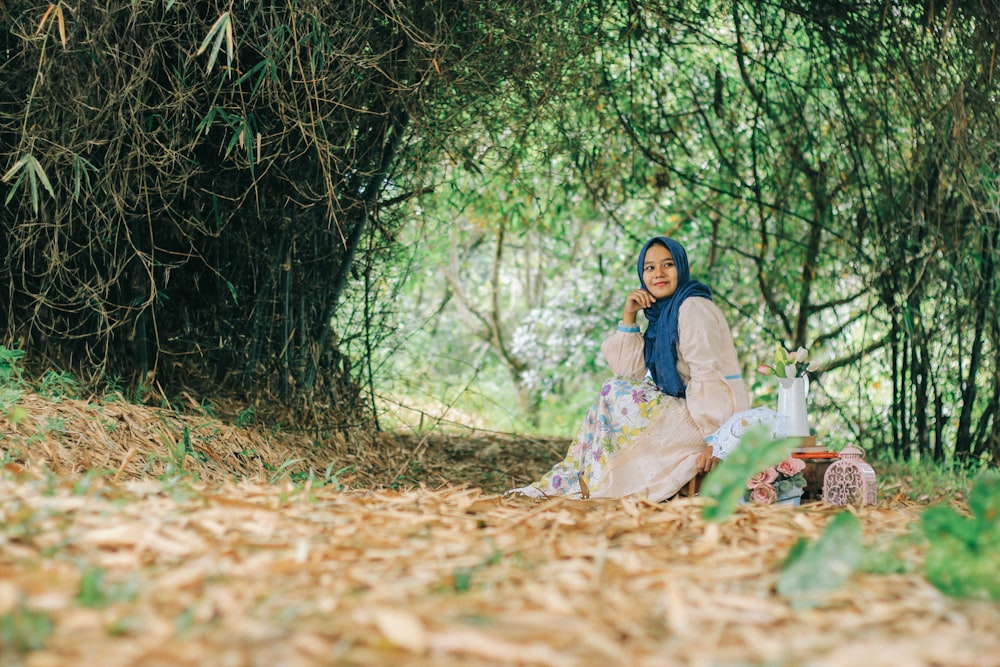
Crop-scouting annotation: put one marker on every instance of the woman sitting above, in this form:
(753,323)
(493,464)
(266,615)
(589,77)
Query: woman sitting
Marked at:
(675,384)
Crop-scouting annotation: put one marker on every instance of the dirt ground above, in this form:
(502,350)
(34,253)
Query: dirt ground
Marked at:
(129,536)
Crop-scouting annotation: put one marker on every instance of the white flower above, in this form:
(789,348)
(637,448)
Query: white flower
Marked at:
(788,364)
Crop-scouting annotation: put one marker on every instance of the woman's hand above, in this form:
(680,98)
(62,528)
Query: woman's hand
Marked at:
(707,462)
(638,299)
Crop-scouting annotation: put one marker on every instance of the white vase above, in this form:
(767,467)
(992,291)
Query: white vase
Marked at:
(792,404)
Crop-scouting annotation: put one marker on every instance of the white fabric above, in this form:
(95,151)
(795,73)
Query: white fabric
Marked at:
(728,437)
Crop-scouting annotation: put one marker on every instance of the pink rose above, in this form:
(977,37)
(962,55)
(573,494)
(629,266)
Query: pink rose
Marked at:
(767,477)
(763,493)
(791,466)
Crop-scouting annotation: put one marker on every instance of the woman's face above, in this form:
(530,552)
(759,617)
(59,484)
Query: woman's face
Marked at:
(658,272)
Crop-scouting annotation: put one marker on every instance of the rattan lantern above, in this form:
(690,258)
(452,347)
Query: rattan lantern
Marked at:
(849,480)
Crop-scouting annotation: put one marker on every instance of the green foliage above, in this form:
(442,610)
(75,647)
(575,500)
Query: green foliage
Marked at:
(330,476)
(891,558)
(221,29)
(28,167)
(246,417)
(963,559)
(96,591)
(207,409)
(463,578)
(89,483)
(812,570)
(757,150)
(925,482)
(23,630)
(57,384)
(82,169)
(963,556)
(91,593)
(494,327)
(829,200)
(278,473)
(784,487)
(179,443)
(276,166)
(727,483)
(178,451)
(10,370)
(12,384)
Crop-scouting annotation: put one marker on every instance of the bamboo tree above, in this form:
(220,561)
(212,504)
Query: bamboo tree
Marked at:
(210,174)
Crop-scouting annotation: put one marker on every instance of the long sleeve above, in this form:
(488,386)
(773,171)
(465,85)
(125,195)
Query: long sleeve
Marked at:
(624,352)
(707,356)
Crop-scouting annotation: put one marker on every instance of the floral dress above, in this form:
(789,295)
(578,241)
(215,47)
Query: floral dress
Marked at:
(637,440)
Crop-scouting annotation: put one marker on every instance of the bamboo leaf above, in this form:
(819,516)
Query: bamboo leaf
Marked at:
(215,49)
(243,136)
(45,18)
(813,570)
(237,139)
(206,122)
(217,32)
(53,13)
(33,188)
(81,175)
(964,555)
(261,70)
(13,189)
(232,292)
(229,42)
(62,26)
(28,165)
(211,33)
(36,167)
(16,168)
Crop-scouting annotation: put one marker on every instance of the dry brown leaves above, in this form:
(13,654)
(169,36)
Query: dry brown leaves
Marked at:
(73,437)
(150,572)
(253,574)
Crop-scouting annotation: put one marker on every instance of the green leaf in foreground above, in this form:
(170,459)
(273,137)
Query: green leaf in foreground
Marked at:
(964,555)
(725,485)
(814,569)
(92,593)
(17,415)
(23,630)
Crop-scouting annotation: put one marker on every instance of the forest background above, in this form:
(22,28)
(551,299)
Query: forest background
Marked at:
(427,213)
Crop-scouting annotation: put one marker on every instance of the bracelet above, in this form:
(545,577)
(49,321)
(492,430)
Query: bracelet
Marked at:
(628,328)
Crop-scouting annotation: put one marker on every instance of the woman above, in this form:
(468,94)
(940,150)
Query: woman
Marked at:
(649,430)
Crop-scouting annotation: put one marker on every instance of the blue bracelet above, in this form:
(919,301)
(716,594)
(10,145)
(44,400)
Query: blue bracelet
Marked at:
(628,328)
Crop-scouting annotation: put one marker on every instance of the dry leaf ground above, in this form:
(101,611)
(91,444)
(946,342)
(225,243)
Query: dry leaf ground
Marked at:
(145,564)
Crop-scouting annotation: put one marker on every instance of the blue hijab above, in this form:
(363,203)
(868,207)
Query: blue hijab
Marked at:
(661,335)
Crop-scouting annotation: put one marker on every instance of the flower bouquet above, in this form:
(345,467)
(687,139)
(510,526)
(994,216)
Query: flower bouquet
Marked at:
(780,483)
(787,364)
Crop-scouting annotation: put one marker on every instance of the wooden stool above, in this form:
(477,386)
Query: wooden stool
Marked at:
(691,490)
